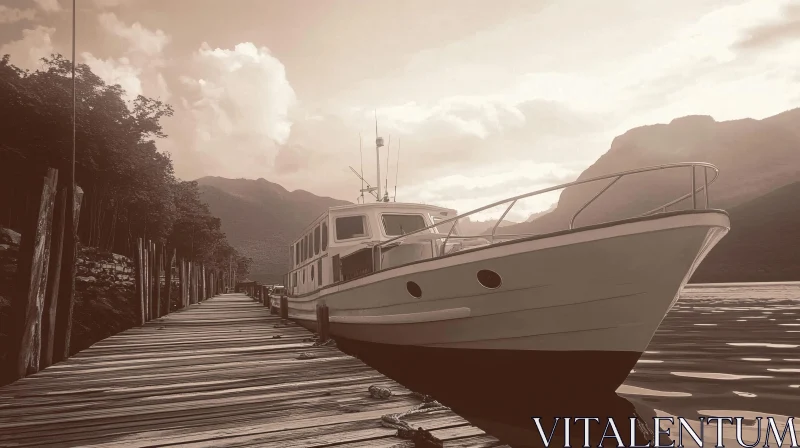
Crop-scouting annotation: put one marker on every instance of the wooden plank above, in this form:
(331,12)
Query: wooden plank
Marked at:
(213,374)
(26,309)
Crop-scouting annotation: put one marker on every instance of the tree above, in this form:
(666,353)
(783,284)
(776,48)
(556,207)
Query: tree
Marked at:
(130,190)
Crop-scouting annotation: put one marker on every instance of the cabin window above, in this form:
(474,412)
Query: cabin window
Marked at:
(312,273)
(294,279)
(316,241)
(396,225)
(304,276)
(297,253)
(351,227)
(324,236)
(336,267)
(310,246)
(305,248)
(319,271)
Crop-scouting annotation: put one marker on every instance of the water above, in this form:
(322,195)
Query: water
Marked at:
(723,350)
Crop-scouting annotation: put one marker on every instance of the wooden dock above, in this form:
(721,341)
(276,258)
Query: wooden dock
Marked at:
(220,373)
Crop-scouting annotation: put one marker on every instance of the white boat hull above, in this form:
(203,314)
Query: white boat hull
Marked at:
(576,307)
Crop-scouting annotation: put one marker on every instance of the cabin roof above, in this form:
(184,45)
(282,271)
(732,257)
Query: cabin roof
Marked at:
(368,207)
(387,205)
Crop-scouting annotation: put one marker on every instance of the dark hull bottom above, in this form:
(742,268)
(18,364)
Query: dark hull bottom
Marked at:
(487,378)
(501,390)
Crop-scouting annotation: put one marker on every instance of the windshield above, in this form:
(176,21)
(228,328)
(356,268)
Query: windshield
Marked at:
(396,225)
(444,228)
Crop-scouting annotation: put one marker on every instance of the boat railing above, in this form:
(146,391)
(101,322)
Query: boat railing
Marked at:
(695,189)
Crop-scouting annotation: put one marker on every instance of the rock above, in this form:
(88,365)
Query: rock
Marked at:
(4,247)
(88,279)
(8,236)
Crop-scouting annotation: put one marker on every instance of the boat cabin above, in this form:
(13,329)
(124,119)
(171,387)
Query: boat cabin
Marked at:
(337,246)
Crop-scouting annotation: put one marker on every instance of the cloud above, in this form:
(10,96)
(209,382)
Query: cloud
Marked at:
(35,44)
(12,15)
(776,32)
(240,101)
(139,38)
(103,4)
(116,71)
(49,5)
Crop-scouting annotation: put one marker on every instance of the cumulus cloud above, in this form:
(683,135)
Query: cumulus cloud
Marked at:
(137,72)
(12,15)
(240,98)
(139,38)
(49,5)
(116,71)
(35,44)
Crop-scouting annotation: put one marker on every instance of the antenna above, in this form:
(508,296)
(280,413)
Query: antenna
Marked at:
(388,151)
(361,151)
(378,144)
(369,189)
(397,169)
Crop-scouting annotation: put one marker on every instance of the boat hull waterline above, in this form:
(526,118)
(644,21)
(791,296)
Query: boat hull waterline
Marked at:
(573,314)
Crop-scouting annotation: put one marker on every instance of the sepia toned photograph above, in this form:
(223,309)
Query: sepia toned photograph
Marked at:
(400,223)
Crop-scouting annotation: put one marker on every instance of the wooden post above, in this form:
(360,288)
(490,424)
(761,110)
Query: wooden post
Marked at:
(66,288)
(168,281)
(184,287)
(53,281)
(193,281)
(151,270)
(28,302)
(184,283)
(159,262)
(140,279)
(284,307)
(203,278)
(148,288)
(322,322)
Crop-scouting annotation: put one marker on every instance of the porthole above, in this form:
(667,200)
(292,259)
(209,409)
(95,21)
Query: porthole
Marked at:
(489,279)
(414,289)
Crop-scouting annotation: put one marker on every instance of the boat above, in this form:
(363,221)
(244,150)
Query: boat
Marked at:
(470,319)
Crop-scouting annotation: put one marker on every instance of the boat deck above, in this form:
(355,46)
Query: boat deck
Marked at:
(221,373)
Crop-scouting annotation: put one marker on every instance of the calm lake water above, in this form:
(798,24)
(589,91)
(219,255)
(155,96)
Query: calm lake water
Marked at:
(723,350)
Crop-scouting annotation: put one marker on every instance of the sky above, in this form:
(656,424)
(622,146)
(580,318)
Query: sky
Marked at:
(478,100)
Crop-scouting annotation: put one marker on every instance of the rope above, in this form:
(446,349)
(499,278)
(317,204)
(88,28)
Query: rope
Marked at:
(422,438)
(379,392)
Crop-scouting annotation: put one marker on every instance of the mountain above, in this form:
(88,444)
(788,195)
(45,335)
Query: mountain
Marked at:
(754,158)
(261,219)
(763,243)
(538,215)
(469,227)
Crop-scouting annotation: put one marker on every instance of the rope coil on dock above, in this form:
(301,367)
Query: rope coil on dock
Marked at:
(422,438)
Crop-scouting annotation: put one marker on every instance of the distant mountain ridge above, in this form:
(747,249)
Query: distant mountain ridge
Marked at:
(262,218)
(763,244)
(754,158)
